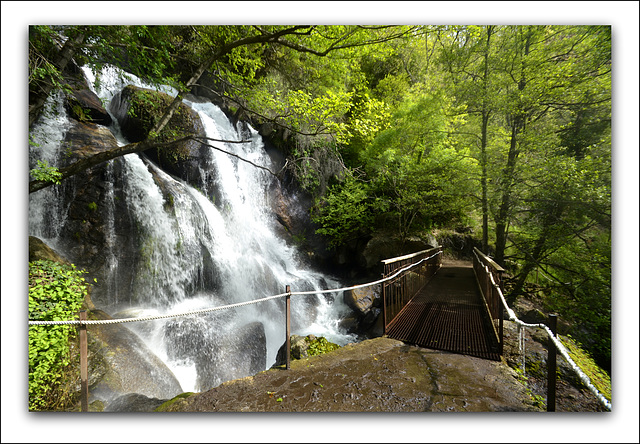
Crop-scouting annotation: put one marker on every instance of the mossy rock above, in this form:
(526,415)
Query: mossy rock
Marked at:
(139,109)
(305,346)
(166,405)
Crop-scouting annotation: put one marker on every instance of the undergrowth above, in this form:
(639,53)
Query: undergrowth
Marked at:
(56,293)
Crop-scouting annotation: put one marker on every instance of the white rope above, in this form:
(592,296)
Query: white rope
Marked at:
(370,284)
(152,318)
(561,348)
(224,307)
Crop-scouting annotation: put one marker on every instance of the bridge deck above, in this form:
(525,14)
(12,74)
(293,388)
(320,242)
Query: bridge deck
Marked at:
(448,314)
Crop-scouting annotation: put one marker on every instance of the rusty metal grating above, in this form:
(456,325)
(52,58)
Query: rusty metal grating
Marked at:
(449,315)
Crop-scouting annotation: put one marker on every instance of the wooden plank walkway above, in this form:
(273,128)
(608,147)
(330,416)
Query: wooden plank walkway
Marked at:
(448,314)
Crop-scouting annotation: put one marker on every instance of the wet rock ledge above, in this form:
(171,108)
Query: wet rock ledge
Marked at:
(376,375)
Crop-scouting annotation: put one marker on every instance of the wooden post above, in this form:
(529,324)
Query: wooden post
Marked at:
(551,366)
(288,326)
(84,368)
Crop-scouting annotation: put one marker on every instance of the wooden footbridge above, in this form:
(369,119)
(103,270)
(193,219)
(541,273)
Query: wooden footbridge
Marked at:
(444,305)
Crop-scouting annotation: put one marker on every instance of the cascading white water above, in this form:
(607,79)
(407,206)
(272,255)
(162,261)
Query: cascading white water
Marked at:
(46,212)
(236,234)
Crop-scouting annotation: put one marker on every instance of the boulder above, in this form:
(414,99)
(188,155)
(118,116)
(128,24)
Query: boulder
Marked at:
(365,303)
(85,139)
(39,250)
(138,110)
(85,106)
(134,402)
(94,204)
(303,347)
(459,244)
(386,247)
(534,316)
(362,300)
(120,363)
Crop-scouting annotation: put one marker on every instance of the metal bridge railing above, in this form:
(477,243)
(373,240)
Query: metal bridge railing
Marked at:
(398,291)
(490,294)
(489,275)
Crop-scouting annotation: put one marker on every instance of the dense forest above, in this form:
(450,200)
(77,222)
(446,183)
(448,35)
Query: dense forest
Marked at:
(500,131)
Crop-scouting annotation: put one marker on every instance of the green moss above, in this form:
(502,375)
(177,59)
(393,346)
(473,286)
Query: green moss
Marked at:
(147,107)
(96,406)
(164,406)
(599,378)
(535,369)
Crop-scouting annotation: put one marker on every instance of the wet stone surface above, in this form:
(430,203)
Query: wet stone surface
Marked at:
(377,375)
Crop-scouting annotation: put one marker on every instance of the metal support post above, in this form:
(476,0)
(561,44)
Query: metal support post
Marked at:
(551,366)
(288,326)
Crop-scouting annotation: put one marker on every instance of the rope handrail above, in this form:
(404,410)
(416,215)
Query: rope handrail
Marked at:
(407,256)
(224,307)
(561,348)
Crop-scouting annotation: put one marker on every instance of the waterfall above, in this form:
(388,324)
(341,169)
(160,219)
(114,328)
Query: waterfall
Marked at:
(197,250)
(46,208)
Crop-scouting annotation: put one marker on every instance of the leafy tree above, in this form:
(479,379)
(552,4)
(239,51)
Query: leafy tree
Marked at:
(232,54)
(470,61)
(413,176)
(346,212)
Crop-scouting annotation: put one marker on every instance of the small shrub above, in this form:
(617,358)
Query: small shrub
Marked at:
(320,345)
(56,293)
(46,173)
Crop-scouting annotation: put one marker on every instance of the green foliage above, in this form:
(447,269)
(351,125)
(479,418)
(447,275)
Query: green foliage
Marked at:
(345,212)
(81,113)
(320,345)
(43,41)
(56,293)
(419,174)
(46,173)
(367,118)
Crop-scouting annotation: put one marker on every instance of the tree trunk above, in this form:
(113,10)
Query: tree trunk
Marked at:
(507,180)
(483,145)
(518,125)
(541,245)
(483,184)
